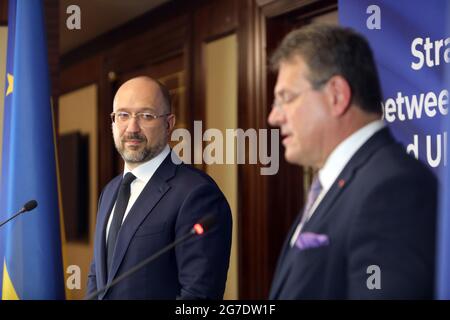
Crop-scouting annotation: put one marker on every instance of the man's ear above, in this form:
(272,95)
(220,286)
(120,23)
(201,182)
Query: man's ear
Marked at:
(339,93)
(171,119)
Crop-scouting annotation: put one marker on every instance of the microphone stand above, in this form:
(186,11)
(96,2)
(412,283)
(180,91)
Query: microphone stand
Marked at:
(15,215)
(141,264)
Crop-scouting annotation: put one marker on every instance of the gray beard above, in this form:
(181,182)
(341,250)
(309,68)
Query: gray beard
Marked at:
(140,156)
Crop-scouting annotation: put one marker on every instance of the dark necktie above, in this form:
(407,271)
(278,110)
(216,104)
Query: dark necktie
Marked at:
(119,211)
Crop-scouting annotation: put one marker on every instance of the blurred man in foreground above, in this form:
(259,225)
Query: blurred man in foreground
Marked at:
(368,228)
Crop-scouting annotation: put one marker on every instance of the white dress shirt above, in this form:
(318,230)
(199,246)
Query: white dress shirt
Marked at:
(336,162)
(143,174)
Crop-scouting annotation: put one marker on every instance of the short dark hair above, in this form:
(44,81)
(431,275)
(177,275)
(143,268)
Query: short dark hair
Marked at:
(332,50)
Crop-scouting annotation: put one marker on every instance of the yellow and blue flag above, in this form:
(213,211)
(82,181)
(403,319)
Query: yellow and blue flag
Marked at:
(31,266)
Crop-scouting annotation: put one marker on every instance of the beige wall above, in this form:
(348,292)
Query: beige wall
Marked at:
(3,41)
(221,113)
(78,112)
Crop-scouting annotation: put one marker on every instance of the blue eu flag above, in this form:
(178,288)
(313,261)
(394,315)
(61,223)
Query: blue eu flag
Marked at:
(31,261)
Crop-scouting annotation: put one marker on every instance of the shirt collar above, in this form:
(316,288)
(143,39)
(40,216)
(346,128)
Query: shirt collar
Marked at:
(145,171)
(342,154)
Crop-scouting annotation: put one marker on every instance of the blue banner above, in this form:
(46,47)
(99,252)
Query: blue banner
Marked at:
(408,39)
(411,44)
(31,263)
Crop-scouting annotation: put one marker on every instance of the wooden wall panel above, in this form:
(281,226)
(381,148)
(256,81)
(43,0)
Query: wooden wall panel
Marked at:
(218,18)
(254,279)
(81,74)
(151,46)
(3,12)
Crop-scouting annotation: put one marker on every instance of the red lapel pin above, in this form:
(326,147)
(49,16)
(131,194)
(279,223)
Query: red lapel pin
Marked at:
(341,183)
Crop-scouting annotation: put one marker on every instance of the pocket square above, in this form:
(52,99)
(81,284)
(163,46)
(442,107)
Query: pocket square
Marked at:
(308,240)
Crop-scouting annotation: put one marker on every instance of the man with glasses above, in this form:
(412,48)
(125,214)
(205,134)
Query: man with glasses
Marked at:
(153,203)
(368,227)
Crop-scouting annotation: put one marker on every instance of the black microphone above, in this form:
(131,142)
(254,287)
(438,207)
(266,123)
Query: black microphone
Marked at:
(202,226)
(30,205)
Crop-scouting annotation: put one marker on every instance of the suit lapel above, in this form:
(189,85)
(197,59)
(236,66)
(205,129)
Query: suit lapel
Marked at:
(105,209)
(377,141)
(155,189)
(343,180)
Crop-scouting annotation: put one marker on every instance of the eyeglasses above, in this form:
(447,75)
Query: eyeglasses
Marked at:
(288,98)
(144,119)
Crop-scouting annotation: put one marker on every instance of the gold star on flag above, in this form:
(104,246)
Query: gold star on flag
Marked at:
(10,88)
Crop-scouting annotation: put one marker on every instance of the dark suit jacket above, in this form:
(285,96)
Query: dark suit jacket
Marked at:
(382,213)
(174,199)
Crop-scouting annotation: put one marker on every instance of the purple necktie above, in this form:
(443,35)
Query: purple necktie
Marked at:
(313,193)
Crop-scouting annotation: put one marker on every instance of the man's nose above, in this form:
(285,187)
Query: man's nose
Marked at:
(133,125)
(276,117)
